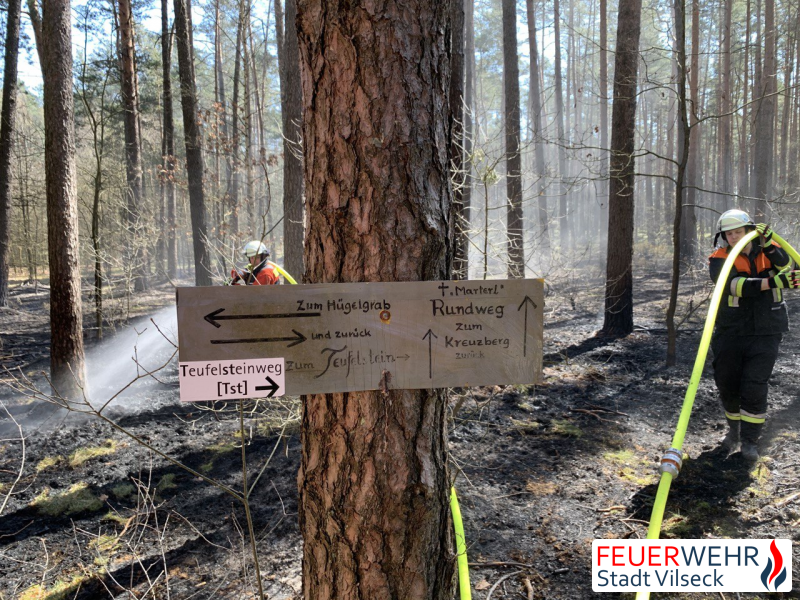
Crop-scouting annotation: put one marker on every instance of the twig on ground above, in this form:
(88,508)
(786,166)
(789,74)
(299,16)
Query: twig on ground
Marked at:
(611,508)
(528,587)
(499,581)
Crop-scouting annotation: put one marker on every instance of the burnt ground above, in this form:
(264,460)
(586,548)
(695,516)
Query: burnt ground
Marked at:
(541,470)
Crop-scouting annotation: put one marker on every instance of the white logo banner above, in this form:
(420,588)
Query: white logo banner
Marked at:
(692,565)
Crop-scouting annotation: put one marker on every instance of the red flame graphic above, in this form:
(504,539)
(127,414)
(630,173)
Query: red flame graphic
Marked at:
(778,561)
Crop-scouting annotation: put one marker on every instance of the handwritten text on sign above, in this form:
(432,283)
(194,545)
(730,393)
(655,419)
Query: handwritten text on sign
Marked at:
(363,336)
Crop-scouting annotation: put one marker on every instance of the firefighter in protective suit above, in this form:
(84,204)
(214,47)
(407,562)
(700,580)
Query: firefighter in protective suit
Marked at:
(751,321)
(259,271)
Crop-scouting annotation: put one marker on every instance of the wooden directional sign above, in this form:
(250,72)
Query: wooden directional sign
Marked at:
(346,337)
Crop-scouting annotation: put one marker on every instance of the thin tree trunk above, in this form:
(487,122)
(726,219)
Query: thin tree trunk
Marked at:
(133,146)
(537,132)
(764,131)
(194,149)
(688,221)
(378,211)
(293,184)
(460,228)
(680,44)
(66,326)
(514,225)
(619,277)
(725,180)
(168,141)
(744,143)
(7,119)
(465,216)
(563,227)
(232,204)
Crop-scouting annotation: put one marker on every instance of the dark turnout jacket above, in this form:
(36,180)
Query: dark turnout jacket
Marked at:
(744,309)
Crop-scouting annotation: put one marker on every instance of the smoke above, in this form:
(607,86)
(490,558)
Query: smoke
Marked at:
(131,353)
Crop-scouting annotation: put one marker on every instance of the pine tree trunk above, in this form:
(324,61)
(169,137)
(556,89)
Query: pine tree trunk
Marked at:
(168,141)
(764,131)
(685,158)
(232,198)
(292,116)
(619,277)
(459,227)
(7,119)
(133,145)
(688,221)
(538,138)
(563,229)
(465,216)
(373,479)
(66,326)
(514,225)
(194,148)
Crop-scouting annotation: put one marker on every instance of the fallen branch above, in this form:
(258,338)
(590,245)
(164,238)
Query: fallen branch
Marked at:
(499,581)
(610,508)
(783,502)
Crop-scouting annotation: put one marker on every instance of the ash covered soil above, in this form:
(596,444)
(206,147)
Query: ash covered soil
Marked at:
(88,511)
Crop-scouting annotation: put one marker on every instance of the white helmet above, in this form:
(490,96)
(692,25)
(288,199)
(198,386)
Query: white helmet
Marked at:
(733,219)
(254,248)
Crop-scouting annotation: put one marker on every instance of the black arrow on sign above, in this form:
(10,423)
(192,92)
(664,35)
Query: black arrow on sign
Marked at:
(429,336)
(272,387)
(298,338)
(213,318)
(525,303)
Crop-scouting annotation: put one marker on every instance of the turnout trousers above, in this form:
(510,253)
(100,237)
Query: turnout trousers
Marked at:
(742,368)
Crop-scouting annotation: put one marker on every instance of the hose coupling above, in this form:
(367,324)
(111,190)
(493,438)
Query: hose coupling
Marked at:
(671,462)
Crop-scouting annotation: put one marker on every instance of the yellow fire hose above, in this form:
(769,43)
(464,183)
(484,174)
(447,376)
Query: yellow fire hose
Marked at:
(461,541)
(674,454)
(280,270)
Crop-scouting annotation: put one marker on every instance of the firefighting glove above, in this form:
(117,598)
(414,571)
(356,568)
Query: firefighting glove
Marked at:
(785,279)
(766,233)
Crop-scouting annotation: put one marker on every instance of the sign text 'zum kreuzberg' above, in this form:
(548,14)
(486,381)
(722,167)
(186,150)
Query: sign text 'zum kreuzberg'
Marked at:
(344,337)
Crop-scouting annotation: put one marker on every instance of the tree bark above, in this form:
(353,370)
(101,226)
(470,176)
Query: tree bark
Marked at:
(618,319)
(66,326)
(514,229)
(168,141)
(7,119)
(133,145)
(293,183)
(373,479)
(192,138)
(537,131)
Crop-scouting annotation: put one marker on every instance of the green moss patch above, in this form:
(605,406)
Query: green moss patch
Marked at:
(82,455)
(77,499)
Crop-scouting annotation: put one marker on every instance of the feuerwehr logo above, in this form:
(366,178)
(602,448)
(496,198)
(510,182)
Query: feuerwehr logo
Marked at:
(774,573)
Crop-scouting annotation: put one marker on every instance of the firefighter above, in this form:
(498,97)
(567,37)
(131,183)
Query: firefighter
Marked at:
(751,321)
(259,271)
